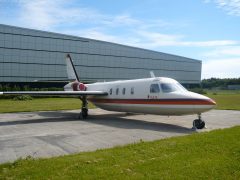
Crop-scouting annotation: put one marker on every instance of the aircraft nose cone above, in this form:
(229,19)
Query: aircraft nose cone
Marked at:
(204,100)
(208,101)
(212,102)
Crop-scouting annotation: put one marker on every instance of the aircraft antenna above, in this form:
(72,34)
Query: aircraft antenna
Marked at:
(152,74)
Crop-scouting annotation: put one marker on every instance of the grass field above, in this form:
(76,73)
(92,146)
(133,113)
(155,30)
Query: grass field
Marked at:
(39,104)
(211,155)
(229,100)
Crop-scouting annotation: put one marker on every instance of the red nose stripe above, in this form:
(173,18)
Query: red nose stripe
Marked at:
(157,101)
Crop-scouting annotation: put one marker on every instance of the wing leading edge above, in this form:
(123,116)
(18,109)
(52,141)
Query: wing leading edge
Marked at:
(56,93)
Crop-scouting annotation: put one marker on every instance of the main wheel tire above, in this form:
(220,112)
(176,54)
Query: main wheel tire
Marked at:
(198,123)
(84,113)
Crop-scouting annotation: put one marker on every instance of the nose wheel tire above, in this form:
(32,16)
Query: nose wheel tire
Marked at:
(198,124)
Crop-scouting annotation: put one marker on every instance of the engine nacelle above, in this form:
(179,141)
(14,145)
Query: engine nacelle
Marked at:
(77,86)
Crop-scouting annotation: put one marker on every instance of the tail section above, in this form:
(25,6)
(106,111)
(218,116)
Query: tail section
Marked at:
(71,71)
(76,85)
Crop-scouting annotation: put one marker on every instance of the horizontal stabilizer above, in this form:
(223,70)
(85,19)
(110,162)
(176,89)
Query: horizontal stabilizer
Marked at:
(55,80)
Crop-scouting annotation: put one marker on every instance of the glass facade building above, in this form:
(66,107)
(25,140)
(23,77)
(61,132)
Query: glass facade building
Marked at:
(27,55)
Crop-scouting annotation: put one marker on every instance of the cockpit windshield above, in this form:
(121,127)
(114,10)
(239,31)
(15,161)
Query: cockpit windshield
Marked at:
(181,87)
(172,87)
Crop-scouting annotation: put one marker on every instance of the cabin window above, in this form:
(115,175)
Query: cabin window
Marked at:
(154,88)
(168,87)
(132,90)
(123,91)
(117,90)
(110,91)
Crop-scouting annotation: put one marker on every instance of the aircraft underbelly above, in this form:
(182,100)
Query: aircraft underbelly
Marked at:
(155,109)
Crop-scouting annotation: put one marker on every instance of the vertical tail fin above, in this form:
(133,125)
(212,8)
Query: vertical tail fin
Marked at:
(72,75)
(71,71)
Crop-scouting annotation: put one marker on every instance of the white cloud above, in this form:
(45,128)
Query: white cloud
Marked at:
(47,15)
(120,20)
(87,22)
(147,39)
(209,43)
(221,68)
(95,33)
(37,10)
(232,7)
(222,62)
(154,39)
(230,51)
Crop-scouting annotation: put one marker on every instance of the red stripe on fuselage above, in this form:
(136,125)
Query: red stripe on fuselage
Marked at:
(156,101)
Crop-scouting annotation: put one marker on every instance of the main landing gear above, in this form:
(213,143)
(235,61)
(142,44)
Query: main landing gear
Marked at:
(84,110)
(198,123)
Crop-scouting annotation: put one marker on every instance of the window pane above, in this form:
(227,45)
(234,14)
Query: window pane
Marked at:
(132,90)
(123,90)
(154,88)
(168,87)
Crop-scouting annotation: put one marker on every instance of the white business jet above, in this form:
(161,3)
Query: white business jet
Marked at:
(155,95)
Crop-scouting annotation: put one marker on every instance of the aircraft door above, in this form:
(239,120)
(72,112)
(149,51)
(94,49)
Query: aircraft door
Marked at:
(154,91)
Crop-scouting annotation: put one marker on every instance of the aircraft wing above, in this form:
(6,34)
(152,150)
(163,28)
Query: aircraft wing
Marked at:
(55,93)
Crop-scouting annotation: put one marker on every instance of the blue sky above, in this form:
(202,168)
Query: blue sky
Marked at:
(208,30)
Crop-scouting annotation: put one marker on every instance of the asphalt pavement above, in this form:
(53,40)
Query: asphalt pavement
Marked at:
(47,134)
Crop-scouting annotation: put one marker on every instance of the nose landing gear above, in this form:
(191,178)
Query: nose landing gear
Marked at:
(198,123)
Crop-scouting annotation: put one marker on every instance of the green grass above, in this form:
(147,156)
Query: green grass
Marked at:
(40,104)
(228,100)
(211,155)
(224,91)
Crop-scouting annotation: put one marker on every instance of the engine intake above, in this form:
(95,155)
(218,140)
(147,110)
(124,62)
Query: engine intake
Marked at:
(77,86)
